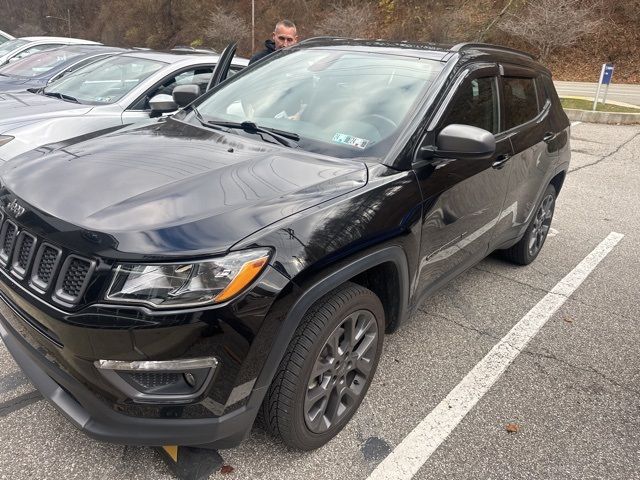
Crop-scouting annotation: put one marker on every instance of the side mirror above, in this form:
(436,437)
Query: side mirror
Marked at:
(183,95)
(162,103)
(461,141)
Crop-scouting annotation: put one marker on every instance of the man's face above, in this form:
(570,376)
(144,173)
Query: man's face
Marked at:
(284,37)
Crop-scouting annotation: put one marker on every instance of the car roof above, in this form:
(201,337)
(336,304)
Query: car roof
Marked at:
(82,48)
(442,52)
(59,39)
(181,57)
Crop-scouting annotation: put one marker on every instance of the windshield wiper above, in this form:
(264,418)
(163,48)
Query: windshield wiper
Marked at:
(61,96)
(281,136)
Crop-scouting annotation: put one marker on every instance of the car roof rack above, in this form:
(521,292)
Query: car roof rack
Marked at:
(488,46)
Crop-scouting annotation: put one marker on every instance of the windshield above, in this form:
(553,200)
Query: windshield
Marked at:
(38,63)
(342,103)
(105,81)
(11,45)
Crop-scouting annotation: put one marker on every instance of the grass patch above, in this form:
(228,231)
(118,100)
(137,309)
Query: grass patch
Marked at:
(579,104)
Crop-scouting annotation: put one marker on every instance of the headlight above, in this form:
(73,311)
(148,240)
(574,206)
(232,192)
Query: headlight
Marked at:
(4,139)
(169,285)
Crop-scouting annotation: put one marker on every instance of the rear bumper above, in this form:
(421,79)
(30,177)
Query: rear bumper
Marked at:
(96,419)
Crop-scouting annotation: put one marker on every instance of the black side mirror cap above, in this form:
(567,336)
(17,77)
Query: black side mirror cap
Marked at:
(183,95)
(461,141)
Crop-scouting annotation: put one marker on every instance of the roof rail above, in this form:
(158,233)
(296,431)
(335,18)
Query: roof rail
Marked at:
(488,46)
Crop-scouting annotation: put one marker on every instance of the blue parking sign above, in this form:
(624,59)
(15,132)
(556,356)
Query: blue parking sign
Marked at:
(608,73)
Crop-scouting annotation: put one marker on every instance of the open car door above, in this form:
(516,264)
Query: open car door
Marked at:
(221,71)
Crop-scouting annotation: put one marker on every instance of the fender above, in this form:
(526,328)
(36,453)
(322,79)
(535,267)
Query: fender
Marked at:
(313,293)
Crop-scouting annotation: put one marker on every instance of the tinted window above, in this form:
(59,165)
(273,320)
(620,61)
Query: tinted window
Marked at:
(475,104)
(520,102)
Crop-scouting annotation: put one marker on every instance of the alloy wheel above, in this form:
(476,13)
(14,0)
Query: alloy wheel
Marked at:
(341,371)
(541,225)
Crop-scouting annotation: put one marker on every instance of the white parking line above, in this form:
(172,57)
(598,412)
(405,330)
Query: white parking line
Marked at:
(573,124)
(416,448)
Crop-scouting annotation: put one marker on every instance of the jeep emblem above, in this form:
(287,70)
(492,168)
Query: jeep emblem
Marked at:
(15,208)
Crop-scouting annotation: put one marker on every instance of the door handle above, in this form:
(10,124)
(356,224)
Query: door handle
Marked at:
(548,137)
(500,161)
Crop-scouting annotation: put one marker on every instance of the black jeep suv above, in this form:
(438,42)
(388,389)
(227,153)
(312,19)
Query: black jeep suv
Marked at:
(163,284)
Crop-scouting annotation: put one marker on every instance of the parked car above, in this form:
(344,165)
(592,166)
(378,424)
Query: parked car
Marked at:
(5,37)
(18,48)
(106,94)
(41,68)
(163,284)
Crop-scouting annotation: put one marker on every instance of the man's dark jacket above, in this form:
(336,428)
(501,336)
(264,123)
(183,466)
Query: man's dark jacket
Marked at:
(270,47)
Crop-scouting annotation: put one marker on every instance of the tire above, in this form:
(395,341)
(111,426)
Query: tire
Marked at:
(527,249)
(322,378)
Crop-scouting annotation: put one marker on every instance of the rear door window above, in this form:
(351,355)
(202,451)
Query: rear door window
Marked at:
(475,104)
(520,100)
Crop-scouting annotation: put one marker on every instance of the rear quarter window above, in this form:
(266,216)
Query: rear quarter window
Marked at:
(520,100)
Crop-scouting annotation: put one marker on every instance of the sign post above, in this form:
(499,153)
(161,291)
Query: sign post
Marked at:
(605,79)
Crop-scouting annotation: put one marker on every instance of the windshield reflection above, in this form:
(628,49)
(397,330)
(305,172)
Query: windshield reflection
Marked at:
(343,103)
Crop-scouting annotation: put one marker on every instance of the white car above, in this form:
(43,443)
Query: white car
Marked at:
(18,48)
(106,94)
(5,37)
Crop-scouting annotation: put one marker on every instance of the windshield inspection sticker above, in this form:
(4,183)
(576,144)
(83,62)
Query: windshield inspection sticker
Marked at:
(350,140)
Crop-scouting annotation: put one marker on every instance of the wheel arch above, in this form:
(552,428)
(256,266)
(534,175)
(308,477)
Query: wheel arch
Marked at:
(367,271)
(558,180)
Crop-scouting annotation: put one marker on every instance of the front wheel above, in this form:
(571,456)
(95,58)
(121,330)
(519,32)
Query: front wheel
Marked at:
(327,368)
(527,249)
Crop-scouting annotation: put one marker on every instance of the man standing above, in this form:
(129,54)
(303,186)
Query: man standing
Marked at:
(284,35)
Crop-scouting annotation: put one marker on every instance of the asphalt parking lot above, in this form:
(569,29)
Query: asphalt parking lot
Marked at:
(572,393)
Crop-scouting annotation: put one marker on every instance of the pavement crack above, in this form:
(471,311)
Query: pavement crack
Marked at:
(605,157)
(506,277)
(461,325)
(588,369)
(19,402)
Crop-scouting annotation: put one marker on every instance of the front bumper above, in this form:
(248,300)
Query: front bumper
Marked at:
(91,415)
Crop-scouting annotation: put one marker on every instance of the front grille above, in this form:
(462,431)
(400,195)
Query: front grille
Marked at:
(75,276)
(24,250)
(45,265)
(7,239)
(73,279)
(38,264)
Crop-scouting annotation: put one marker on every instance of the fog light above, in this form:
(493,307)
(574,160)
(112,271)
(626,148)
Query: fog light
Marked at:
(165,381)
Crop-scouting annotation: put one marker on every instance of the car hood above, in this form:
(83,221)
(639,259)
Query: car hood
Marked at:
(27,106)
(16,84)
(174,188)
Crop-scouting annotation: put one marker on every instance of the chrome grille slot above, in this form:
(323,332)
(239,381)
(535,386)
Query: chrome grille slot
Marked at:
(44,266)
(73,279)
(25,248)
(7,240)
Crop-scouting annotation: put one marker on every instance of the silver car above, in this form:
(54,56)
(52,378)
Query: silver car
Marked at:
(5,37)
(18,48)
(104,95)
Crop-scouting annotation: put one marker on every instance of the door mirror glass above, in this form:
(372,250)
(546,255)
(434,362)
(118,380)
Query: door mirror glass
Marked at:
(183,95)
(461,141)
(162,103)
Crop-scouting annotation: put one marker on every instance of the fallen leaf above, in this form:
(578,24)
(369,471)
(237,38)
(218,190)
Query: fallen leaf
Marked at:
(568,319)
(512,427)
(226,469)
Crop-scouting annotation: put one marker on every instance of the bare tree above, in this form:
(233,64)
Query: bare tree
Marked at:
(225,26)
(551,24)
(348,20)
